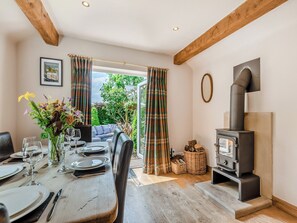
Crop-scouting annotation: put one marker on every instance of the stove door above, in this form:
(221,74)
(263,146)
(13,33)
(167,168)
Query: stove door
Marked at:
(227,146)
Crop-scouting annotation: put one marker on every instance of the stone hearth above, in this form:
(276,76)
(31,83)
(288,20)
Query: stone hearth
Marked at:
(226,196)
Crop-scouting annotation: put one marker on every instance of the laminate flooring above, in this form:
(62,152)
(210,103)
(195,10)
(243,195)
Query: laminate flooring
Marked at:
(173,199)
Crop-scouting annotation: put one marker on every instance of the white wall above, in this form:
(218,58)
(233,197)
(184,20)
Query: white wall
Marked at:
(179,80)
(8,97)
(273,38)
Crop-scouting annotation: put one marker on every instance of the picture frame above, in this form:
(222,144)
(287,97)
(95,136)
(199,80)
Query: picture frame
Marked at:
(51,72)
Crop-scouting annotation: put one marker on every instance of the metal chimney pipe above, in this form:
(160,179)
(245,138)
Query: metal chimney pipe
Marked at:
(238,90)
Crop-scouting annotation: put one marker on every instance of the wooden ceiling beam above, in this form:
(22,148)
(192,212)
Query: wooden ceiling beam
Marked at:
(38,16)
(241,16)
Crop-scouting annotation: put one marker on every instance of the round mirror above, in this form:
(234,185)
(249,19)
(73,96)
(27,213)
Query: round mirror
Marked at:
(206,88)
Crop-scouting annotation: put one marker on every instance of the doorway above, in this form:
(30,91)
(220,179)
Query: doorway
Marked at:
(119,98)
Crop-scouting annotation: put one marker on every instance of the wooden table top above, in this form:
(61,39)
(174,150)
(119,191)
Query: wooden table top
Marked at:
(89,199)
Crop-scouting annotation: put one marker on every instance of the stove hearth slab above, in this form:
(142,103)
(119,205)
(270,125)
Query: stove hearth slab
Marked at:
(225,195)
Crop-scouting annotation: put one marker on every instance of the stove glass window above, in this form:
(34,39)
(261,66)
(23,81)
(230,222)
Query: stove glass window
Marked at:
(226,147)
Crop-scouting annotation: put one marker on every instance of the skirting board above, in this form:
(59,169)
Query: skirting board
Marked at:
(285,206)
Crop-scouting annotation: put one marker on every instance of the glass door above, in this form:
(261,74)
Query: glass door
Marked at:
(141,106)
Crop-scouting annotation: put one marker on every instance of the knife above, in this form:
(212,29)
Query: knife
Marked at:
(50,214)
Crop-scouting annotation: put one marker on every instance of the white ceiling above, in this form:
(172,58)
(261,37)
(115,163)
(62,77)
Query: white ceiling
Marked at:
(13,22)
(138,24)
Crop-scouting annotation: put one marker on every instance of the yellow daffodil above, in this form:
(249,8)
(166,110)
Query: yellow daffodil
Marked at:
(27,96)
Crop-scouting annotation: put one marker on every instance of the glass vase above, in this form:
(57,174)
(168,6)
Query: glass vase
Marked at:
(54,156)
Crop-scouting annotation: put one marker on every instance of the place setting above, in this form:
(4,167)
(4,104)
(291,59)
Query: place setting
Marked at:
(89,166)
(27,201)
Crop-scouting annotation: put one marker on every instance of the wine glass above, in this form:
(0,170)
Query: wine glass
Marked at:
(33,153)
(69,134)
(26,140)
(76,137)
(62,147)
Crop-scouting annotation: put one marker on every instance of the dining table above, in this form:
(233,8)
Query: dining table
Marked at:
(83,199)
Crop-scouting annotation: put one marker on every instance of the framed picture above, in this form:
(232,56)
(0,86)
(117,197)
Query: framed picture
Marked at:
(51,72)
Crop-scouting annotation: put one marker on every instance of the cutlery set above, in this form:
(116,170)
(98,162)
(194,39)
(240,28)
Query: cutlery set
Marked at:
(50,214)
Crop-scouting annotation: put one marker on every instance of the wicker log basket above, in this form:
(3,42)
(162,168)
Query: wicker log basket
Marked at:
(178,165)
(195,158)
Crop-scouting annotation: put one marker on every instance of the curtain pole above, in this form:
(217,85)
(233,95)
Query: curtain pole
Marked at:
(114,62)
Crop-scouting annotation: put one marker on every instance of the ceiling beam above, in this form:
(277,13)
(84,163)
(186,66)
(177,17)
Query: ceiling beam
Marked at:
(37,15)
(241,16)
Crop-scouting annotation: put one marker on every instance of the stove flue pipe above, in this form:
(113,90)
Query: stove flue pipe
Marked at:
(238,90)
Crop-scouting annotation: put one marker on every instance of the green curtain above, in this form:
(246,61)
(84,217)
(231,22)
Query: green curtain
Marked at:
(157,150)
(81,77)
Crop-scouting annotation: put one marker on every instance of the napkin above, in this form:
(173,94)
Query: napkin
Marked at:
(35,215)
(93,153)
(89,173)
(14,160)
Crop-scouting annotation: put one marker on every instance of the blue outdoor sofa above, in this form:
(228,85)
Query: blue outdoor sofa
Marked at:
(102,132)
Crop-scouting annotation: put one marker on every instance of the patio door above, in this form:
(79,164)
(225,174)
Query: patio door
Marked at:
(141,106)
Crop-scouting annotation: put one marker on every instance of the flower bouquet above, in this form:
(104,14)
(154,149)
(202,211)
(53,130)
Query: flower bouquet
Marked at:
(53,117)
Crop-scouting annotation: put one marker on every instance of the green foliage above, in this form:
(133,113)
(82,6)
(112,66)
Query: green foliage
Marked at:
(103,117)
(119,96)
(95,118)
(134,131)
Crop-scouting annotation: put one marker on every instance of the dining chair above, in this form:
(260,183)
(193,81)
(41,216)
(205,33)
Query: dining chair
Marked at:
(6,146)
(86,132)
(116,133)
(123,153)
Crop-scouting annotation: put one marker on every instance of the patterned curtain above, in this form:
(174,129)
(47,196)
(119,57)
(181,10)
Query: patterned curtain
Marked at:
(157,150)
(81,76)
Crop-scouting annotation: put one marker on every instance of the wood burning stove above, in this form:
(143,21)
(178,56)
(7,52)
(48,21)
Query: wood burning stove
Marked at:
(235,151)
(235,146)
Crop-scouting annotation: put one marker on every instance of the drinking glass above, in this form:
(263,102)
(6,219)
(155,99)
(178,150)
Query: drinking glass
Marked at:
(76,137)
(69,134)
(26,140)
(63,147)
(33,153)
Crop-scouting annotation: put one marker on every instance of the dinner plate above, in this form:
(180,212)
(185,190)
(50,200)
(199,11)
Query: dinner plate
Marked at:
(18,199)
(93,149)
(43,194)
(19,155)
(89,163)
(79,143)
(9,170)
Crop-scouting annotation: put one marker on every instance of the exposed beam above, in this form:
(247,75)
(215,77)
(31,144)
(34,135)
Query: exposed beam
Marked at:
(37,15)
(241,16)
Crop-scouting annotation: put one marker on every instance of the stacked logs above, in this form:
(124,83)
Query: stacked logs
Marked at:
(193,146)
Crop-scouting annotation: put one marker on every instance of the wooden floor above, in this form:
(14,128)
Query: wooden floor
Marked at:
(172,198)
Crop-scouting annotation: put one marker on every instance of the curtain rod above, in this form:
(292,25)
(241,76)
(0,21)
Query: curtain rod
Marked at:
(114,62)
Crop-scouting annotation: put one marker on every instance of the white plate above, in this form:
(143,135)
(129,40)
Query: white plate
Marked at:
(93,149)
(43,195)
(89,163)
(9,170)
(19,155)
(18,199)
(79,143)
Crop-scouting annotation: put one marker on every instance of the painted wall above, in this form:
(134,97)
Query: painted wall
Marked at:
(179,80)
(273,39)
(8,99)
